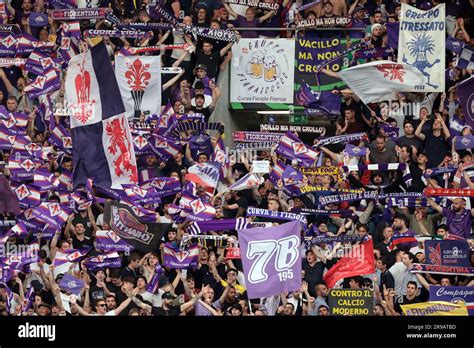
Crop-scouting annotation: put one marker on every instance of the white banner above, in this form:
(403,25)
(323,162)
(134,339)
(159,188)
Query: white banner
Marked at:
(262,71)
(139,79)
(422,43)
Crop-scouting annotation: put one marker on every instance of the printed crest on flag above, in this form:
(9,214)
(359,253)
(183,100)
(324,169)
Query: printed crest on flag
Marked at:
(139,80)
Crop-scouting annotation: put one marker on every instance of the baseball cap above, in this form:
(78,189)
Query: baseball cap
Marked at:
(201,66)
(38,19)
(168,295)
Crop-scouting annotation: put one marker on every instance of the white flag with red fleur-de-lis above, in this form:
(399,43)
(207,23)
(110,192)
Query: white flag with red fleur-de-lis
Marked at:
(139,80)
(378,81)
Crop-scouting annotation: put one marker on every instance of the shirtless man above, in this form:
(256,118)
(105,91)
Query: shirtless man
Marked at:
(339,8)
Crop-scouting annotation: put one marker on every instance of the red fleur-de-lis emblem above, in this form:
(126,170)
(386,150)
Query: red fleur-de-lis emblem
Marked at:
(22,192)
(45,62)
(72,257)
(10,122)
(299,148)
(54,209)
(27,165)
(158,184)
(39,82)
(9,41)
(139,191)
(65,43)
(392,71)
(112,235)
(197,206)
(29,214)
(161,143)
(32,147)
(67,142)
(140,141)
(137,75)
(11,139)
(163,121)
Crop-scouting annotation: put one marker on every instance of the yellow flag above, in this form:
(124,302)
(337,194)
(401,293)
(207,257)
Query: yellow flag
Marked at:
(435,308)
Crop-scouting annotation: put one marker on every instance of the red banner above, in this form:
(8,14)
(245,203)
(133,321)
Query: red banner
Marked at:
(361,261)
(435,192)
(232,253)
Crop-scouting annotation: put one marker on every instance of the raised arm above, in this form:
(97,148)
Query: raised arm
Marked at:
(418,133)
(434,205)
(226,48)
(6,81)
(230,10)
(267,16)
(184,307)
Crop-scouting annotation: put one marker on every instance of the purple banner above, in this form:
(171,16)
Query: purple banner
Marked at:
(466,99)
(271,259)
(448,253)
(71,284)
(180,259)
(463,143)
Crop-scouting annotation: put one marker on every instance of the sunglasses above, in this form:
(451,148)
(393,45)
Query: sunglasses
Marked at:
(102,305)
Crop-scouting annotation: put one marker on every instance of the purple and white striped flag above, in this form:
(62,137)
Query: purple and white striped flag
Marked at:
(28,196)
(165,148)
(164,186)
(43,84)
(110,241)
(106,260)
(198,227)
(175,258)
(39,63)
(293,148)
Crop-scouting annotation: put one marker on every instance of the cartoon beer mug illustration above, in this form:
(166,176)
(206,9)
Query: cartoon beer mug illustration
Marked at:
(255,65)
(270,69)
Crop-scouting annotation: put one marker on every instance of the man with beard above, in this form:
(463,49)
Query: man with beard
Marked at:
(458,218)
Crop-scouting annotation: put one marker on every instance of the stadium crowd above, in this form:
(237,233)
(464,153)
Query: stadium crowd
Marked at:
(428,123)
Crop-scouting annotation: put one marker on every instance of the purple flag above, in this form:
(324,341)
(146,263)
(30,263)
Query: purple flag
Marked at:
(200,144)
(271,259)
(39,63)
(463,143)
(110,259)
(466,99)
(71,284)
(454,45)
(8,44)
(164,186)
(139,196)
(110,241)
(305,95)
(293,148)
(391,132)
(6,273)
(44,84)
(152,286)
(28,196)
(28,300)
(447,253)
(38,19)
(393,29)
(353,150)
(180,259)
(165,148)
(292,179)
(9,202)
(27,44)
